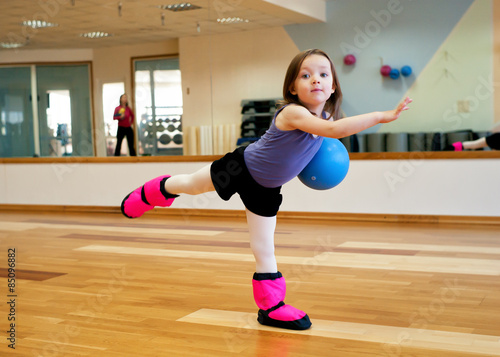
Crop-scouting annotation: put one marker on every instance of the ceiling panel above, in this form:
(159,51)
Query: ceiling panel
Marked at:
(138,21)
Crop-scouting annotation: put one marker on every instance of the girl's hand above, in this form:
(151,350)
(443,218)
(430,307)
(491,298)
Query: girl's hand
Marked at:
(392,115)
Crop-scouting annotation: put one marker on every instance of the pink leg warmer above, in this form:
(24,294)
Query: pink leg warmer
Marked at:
(146,197)
(269,291)
(458,146)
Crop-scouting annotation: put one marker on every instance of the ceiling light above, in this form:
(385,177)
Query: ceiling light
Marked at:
(11,44)
(37,24)
(231,20)
(185,6)
(96,34)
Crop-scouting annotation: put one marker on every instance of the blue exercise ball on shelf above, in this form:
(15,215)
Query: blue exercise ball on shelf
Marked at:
(328,167)
(406,71)
(394,73)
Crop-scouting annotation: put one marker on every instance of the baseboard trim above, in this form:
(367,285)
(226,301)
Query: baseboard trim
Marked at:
(316,216)
(59,208)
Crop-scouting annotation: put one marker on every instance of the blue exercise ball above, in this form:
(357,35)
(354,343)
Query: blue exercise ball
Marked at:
(328,167)
(406,71)
(394,73)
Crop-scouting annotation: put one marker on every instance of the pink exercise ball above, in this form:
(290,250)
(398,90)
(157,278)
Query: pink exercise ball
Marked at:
(385,70)
(349,60)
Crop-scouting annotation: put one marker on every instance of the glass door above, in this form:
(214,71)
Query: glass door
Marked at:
(158,105)
(16,113)
(64,110)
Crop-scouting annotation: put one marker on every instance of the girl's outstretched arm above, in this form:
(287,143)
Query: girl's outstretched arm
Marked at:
(298,117)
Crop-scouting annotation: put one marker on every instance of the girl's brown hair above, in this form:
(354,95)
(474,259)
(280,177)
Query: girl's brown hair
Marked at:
(332,105)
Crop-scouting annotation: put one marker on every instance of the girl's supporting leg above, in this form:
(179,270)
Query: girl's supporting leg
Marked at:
(262,242)
(269,287)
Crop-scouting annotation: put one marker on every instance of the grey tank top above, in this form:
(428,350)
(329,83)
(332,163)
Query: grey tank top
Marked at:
(279,155)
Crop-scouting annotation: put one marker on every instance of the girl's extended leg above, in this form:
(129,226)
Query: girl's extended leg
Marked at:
(162,191)
(191,184)
(469,145)
(269,287)
(475,144)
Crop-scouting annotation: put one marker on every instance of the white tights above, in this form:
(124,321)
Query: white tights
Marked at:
(262,242)
(475,144)
(261,228)
(192,184)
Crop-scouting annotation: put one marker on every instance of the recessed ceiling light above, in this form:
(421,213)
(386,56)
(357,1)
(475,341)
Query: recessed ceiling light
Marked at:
(185,6)
(37,24)
(11,44)
(231,20)
(96,34)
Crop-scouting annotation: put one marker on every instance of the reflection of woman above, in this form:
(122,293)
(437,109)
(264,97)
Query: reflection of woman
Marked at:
(492,141)
(125,117)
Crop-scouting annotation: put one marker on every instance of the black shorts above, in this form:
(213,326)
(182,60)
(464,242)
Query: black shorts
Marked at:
(493,141)
(230,175)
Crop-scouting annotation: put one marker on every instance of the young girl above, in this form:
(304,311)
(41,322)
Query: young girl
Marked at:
(125,117)
(312,95)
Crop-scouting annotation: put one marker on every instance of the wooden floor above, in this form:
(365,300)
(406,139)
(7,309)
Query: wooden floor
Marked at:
(104,285)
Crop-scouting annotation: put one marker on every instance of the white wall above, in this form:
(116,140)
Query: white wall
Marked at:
(414,187)
(3,183)
(221,70)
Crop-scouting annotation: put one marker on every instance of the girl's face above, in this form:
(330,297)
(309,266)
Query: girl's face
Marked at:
(123,100)
(314,83)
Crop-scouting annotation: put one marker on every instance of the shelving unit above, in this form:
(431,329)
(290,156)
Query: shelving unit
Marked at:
(257,116)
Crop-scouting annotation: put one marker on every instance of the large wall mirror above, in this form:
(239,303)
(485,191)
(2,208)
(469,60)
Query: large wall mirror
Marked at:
(203,77)
(440,54)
